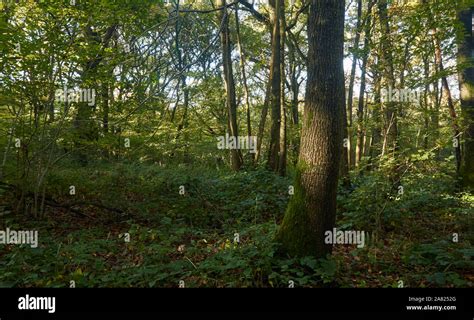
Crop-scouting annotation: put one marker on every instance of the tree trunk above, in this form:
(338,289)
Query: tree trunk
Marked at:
(86,129)
(375,148)
(312,209)
(466,87)
(275,97)
(294,88)
(105,111)
(452,110)
(390,142)
(360,107)
(263,119)
(355,57)
(236,155)
(244,77)
(426,109)
(283,124)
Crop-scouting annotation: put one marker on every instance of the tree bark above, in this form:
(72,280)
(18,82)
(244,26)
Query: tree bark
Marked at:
(390,134)
(375,141)
(344,168)
(86,129)
(312,209)
(263,119)
(355,57)
(294,88)
(236,155)
(360,107)
(244,77)
(466,87)
(283,124)
(275,97)
(449,99)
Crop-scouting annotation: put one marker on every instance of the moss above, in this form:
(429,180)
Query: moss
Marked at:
(296,235)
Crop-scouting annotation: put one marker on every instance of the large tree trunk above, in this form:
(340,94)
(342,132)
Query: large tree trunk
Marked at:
(312,209)
(236,155)
(275,97)
(466,87)
(283,124)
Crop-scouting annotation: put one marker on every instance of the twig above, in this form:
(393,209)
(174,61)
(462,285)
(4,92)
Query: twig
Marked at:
(191,262)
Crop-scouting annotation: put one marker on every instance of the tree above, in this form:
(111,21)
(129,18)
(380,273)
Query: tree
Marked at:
(360,106)
(349,151)
(466,87)
(244,76)
(390,143)
(275,78)
(283,122)
(85,127)
(312,209)
(223,19)
(447,93)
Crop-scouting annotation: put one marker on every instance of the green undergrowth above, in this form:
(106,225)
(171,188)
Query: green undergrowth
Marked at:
(220,232)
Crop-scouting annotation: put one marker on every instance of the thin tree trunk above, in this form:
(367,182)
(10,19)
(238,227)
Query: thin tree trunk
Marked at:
(244,77)
(360,107)
(375,147)
(355,57)
(390,142)
(236,155)
(294,88)
(263,119)
(426,109)
(344,168)
(86,129)
(105,111)
(449,99)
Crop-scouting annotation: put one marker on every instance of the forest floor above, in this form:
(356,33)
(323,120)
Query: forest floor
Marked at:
(142,231)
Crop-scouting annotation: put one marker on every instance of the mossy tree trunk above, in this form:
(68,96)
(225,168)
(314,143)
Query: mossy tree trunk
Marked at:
(312,209)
